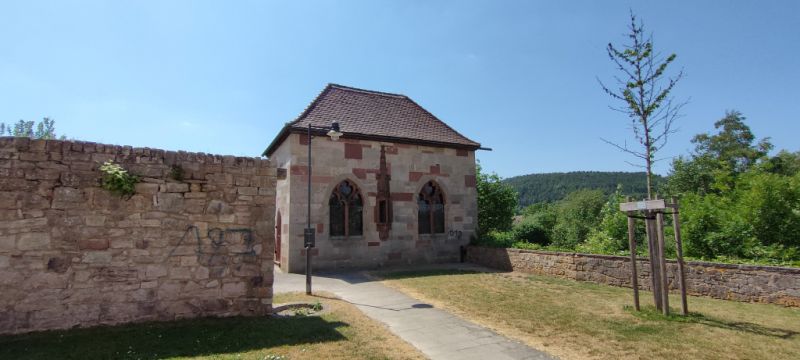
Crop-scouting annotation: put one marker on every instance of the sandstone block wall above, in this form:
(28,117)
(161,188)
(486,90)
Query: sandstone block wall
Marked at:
(410,167)
(765,284)
(73,254)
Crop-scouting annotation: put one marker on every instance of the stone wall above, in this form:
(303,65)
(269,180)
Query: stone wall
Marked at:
(410,167)
(72,254)
(765,284)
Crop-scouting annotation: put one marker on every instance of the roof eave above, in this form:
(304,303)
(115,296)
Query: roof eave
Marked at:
(288,129)
(277,141)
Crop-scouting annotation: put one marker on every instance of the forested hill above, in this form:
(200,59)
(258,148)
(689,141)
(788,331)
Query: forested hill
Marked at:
(550,187)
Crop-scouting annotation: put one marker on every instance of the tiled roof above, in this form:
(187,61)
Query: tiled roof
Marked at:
(374,115)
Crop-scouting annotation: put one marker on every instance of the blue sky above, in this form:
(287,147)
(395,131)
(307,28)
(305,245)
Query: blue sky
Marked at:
(517,76)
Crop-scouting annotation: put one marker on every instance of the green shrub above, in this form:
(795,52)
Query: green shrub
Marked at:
(611,234)
(176,173)
(760,218)
(531,231)
(497,202)
(771,203)
(576,216)
(600,243)
(118,180)
(502,239)
(711,227)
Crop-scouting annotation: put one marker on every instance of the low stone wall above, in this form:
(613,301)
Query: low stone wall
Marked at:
(765,284)
(196,239)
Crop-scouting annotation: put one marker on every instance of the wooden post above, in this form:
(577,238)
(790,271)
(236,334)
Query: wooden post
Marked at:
(662,263)
(653,253)
(632,247)
(679,252)
(649,208)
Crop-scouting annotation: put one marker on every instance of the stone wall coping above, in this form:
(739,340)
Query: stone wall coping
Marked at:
(169,157)
(745,267)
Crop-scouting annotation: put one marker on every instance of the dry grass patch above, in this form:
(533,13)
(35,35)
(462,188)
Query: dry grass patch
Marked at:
(343,332)
(576,320)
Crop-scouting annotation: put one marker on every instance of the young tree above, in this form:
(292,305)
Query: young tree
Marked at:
(46,129)
(645,92)
(497,203)
(23,129)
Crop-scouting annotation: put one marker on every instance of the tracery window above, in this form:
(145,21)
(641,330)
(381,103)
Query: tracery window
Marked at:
(346,206)
(431,209)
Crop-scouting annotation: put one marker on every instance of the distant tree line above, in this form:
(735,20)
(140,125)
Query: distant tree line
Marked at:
(552,187)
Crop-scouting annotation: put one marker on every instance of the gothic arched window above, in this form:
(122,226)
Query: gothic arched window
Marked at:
(345,209)
(431,209)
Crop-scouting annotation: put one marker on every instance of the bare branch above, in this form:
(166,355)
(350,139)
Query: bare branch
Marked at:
(624,148)
(635,165)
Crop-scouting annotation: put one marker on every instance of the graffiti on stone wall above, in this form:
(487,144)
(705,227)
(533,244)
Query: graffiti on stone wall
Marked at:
(454,235)
(218,245)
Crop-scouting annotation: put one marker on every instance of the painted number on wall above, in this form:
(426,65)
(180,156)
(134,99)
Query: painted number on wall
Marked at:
(454,235)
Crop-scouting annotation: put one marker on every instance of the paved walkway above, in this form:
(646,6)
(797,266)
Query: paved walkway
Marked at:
(437,333)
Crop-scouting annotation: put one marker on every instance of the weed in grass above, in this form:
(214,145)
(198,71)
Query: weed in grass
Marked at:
(301,312)
(317,306)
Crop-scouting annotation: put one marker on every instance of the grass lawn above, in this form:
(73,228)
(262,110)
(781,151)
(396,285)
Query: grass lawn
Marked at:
(344,332)
(576,320)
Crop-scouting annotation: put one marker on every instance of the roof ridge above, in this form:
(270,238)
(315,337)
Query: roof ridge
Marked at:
(367,91)
(375,114)
(350,88)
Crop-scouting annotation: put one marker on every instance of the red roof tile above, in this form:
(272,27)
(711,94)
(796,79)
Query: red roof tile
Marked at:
(374,115)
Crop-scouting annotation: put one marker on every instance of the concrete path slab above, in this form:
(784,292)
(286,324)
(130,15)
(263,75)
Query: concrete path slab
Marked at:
(436,333)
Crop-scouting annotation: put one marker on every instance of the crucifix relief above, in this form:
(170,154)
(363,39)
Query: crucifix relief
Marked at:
(383,211)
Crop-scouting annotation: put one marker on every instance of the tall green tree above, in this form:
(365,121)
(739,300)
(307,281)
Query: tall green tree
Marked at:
(719,159)
(497,202)
(645,91)
(733,144)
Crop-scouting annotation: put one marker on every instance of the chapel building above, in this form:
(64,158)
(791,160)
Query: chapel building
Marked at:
(398,187)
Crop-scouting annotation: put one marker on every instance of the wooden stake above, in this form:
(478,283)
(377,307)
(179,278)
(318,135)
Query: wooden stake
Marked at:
(632,247)
(662,263)
(653,253)
(679,251)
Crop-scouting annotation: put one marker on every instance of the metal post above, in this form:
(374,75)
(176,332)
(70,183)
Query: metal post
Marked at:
(308,222)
